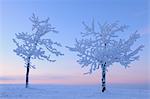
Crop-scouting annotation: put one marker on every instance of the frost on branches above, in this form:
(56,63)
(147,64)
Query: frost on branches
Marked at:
(101,48)
(34,45)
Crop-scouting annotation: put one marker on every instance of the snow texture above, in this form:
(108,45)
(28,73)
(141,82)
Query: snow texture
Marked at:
(73,92)
(102,47)
(33,45)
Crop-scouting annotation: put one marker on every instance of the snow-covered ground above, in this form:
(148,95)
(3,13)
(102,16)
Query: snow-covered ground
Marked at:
(16,91)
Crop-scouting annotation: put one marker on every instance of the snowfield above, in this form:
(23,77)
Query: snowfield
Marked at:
(18,91)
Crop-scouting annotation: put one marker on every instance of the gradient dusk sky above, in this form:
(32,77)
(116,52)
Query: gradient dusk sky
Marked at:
(67,17)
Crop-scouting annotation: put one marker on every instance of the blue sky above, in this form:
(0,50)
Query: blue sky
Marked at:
(67,17)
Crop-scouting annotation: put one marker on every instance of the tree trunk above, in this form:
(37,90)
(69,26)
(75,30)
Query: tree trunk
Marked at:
(103,77)
(27,73)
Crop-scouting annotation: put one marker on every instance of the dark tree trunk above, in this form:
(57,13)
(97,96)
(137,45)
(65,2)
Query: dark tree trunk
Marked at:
(27,73)
(103,77)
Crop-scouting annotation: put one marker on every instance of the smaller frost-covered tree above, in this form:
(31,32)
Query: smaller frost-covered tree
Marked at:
(101,48)
(34,45)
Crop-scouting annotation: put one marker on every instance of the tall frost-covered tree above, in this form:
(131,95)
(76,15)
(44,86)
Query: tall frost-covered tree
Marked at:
(34,45)
(100,47)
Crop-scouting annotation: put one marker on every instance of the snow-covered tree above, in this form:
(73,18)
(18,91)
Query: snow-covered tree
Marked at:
(101,48)
(34,45)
